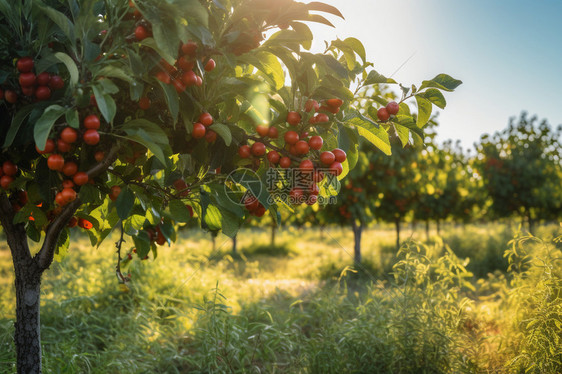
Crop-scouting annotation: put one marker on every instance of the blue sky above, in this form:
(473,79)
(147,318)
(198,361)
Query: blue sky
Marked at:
(508,53)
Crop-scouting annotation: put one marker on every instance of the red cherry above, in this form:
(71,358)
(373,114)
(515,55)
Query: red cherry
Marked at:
(91,137)
(301,147)
(67,183)
(99,156)
(199,82)
(9,168)
(43,79)
(56,82)
(185,64)
(27,79)
(49,147)
(291,137)
(315,142)
(273,133)
(25,64)
(392,108)
(327,158)
(63,146)
(206,119)
(70,168)
(80,178)
(189,78)
(199,131)
(91,122)
(141,33)
(178,85)
(336,168)
(314,189)
(262,130)
(68,195)
(210,136)
(42,93)
(311,105)
(322,118)
(334,103)
(115,192)
(28,91)
(383,114)
(244,151)
(258,149)
(273,157)
(260,211)
(285,162)
(306,166)
(144,103)
(73,222)
(69,135)
(189,48)
(296,196)
(163,77)
(55,162)
(6,181)
(210,65)
(251,203)
(340,155)
(293,118)
(10,96)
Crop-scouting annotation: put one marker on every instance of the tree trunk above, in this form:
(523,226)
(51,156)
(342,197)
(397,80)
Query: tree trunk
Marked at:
(397,224)
(438,222)
(530,221)
(234,242)
(427,230)
(322,228)
(357,231)
(272,243)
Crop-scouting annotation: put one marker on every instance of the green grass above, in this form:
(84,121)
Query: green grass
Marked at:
(300,306)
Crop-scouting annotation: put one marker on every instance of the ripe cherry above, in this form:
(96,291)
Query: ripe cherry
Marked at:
(311,105)
(49,147)
(56,82)
(163,77)
(42,93)
(210,136)
(10,96)
(291,137)
(251,203)
(91,137)
(189,78)
(199,131)
(144,103)
(336,168)
(340,154)
(99,156)
(67,183)
(322,118)
(80,178)
(141,33)
(392,108)
(306,166)
(6,181)
(27,79)
(55,162)
(73,222)
(115,191)
(260,211)
(189,48)
(293,118)
(258,149)
(317,176)
(185,64)
(262,130)
(70,168)
(69,135)
(28,91)
(334,103)
(68,195)
(273,133)
(206,119)
(315,142)
(25,64)
(210,65)
(199,82)
(301,147)
(244,151)
(273,157)
(285,162)
(383,114)
(296,196)
(63,146)
(59,199)
(43,79)
(9,168)
(327,158)
(178,85)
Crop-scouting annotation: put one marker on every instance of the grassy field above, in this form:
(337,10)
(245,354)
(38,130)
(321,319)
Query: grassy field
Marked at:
(446,306)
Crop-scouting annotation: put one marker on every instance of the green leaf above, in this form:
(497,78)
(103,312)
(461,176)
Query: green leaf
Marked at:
(105,102)
(230,224)
(63,243)
(223,131)
(141,137)
(16,124)
(375,78)
(372,132)
(323,7)
(60,20)
(157,135)
(44,125)
(435,96)
(72,118)
(424,111)
(124,203)
(179,211)
(70,66)
(357,46)
(142,243)
(213,217)
(443,82)
(115,72)
(172,100)
(135,221)
(403,133)
(348,52)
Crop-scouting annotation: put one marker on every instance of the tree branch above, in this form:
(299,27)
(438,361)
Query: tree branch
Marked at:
(45,256)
